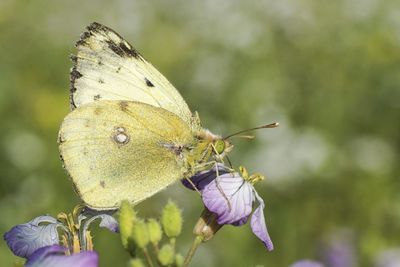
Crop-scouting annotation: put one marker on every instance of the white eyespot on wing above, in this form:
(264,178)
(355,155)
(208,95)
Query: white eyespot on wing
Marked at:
(120,136)
(107,67)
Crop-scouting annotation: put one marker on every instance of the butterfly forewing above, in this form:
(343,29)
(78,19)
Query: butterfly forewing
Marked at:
(116,150)
(106,67)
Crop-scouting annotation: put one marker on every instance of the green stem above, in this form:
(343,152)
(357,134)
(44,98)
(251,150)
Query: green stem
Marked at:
(155,248)
(196,242)
(146,254)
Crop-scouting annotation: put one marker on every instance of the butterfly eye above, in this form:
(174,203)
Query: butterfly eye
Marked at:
(219,146)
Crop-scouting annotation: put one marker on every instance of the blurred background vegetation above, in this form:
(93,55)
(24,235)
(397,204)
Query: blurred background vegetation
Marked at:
(328,71)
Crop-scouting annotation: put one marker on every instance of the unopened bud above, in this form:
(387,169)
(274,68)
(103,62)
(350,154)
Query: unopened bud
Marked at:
(126,218)
(171,220)
(155,232)
(179,260)
(140,233)
(166,255)
(136,263)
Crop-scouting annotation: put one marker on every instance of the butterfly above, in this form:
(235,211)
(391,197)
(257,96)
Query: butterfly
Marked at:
(130,133)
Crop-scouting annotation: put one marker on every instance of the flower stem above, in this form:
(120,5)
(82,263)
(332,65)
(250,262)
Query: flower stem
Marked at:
(146,254)
(196,242)
(155,248)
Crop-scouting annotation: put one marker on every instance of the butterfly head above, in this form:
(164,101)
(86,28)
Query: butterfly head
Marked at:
(222,146)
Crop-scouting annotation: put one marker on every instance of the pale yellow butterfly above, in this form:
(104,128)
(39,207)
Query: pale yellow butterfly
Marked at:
(130,133)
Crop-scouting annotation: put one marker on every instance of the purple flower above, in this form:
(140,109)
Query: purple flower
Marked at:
(24,239)
(231,197)
(338,250)
(54,255)
(306,263)
(39,242)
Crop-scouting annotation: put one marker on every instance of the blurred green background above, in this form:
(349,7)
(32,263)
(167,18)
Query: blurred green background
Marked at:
(328,71)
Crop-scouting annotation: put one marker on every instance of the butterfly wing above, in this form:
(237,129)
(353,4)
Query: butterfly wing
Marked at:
(116,150)
(106,67)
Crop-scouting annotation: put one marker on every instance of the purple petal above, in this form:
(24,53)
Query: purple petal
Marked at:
(51,256)
(258,224)
(230,197)
(24,239)
(106,221)
(202,179)
(241,221)
(306,263)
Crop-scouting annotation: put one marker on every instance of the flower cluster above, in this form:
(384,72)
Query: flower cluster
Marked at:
(228,198)
(66,241)
(137,234)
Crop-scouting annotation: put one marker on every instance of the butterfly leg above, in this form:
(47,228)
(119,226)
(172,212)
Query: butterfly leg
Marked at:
(192,184)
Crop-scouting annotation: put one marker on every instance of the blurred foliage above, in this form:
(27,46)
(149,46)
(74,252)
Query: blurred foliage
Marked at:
(328,71)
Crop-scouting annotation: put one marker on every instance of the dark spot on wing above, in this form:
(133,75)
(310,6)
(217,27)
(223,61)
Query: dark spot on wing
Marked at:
(75,74)
(62,160)
(129,50)
(74,59)
(101,80)
(102,184)
(96,97)
(148,83)
(100,63)
(123,105)
(92,28)
(83,38)
(122,49)
(118,70)
(115,48)
(60,139)
(95,26)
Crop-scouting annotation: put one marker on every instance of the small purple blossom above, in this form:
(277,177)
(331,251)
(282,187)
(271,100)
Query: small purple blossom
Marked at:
(54,255)
(306,263)
(24,239)
(231,197)
(39,242)
(338,251)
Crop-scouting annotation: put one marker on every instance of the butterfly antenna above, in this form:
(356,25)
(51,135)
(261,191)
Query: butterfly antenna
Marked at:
(250,137)
(271,125)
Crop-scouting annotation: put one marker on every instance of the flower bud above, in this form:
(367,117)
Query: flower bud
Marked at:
(166,255)
(155,232)
(179,260)
(126,218)
(207,225)
(140,233)
(171,220)
(135,263)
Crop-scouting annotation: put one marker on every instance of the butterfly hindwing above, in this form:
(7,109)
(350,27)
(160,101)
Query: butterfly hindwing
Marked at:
(116,150)
(106,67)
